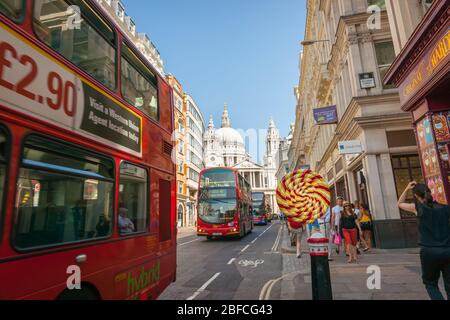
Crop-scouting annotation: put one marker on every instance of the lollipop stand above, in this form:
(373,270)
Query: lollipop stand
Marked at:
(320,268)
(304,196)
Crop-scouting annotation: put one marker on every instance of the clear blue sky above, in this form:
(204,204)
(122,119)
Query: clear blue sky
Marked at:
(243,52)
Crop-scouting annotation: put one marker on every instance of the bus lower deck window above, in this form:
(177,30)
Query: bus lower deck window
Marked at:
(62,196)
(133,204)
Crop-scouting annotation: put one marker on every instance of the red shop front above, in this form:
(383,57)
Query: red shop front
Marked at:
(422,74)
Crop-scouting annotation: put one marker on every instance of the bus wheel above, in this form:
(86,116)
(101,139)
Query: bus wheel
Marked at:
(79,295)
(208,237)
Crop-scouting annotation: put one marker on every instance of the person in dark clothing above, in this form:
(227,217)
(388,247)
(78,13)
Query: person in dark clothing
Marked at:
(434,235)
(350,227)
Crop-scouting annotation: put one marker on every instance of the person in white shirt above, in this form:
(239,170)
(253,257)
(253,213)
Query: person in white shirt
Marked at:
(357,210)
(125,224)
(326,221)
(336,218)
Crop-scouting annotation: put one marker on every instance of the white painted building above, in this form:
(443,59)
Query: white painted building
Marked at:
(194,155)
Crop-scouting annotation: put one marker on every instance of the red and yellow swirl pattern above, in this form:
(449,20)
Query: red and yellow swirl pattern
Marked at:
(303,196)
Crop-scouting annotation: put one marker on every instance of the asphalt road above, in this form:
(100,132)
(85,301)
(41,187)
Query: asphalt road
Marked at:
(227,269)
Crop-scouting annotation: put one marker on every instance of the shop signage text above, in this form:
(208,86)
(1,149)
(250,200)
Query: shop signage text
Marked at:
(437,57)
(325,115)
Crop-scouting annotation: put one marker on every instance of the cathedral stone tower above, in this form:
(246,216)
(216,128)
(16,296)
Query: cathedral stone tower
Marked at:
(272,144)
(226,123)
(209,139)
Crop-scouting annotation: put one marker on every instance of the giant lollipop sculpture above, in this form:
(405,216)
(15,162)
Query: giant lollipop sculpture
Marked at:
(303,196)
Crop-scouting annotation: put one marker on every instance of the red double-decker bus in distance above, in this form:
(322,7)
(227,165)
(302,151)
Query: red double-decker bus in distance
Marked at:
(259,210)
(87,185)
(224,204)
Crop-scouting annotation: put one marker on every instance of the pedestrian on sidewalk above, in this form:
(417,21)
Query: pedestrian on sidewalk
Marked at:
(356,210)
(326,221)
(350,227)
(365,221)
(434,235)
(297,229)
(335,219)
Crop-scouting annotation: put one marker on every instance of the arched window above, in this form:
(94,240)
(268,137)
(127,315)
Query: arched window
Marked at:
(180,213)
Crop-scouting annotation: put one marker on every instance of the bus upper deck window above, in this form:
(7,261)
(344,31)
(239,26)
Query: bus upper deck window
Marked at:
(138,84)
(13,9)
(79,34)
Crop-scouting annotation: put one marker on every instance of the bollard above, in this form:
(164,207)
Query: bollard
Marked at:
(320,268)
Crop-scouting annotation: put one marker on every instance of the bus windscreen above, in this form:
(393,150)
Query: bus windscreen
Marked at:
(218,178)
(217,196)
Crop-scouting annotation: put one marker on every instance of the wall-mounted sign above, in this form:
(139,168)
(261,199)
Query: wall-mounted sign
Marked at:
(326,115)
(367,80)
(350,147)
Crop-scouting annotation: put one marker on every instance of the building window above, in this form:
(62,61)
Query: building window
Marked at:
(194,175)
(180,187)
(180,215)
(385,54)
(13,9)
(195,113)
(120,11)
(379,3)
(426,5)
(91,46)
(64,195)
(406,169)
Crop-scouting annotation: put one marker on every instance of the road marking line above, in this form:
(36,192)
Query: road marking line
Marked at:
(277,240)
(203,287)
(182,244)
(231,261)
(245,248)
(254,241)
(267,289)
(264,289)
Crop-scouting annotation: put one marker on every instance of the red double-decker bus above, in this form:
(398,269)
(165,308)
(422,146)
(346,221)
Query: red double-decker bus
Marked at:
(224,204)
(87,185)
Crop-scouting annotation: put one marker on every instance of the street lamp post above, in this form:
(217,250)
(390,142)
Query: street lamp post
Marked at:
(311,42)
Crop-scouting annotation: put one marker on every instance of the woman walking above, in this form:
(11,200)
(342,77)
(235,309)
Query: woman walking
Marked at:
(434,235)
(350,227)
(365,221)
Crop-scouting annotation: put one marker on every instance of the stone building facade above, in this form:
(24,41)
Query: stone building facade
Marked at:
(346,69)
(179,136)
(195,129)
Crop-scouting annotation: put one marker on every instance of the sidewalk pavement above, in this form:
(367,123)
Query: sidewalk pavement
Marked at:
(400,275)
(183,232)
